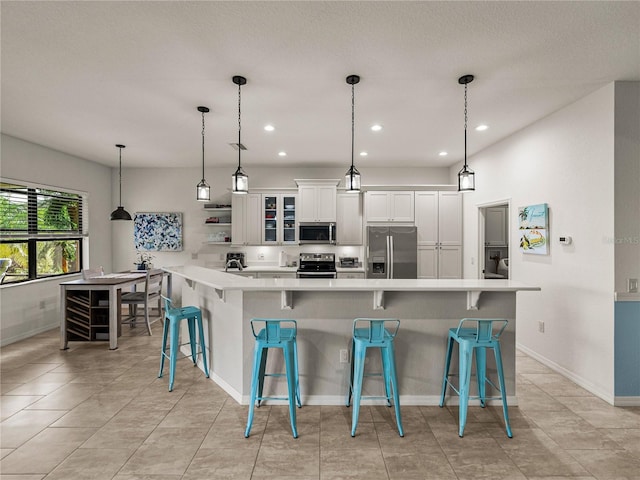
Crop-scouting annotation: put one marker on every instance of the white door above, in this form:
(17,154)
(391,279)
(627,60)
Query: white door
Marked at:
(326,203)
(426,211)
(349,219)
(401,206)
(449,261)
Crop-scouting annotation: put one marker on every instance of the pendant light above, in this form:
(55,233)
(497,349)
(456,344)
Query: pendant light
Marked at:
(352,177)
(240,180)
(203,191)
(120,213)
(466,177)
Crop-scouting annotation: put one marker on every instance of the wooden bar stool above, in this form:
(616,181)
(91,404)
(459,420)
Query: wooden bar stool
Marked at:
(476,340)
(272,335)
(172,318)
(374,335)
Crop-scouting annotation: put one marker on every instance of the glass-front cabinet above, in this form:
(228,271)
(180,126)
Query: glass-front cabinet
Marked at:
(279,219)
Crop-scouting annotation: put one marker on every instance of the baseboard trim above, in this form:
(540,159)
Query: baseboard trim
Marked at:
(7,341)
(626,402)
(578,380)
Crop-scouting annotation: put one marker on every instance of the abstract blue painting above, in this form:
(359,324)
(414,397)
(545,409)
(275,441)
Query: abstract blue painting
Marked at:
(160,232)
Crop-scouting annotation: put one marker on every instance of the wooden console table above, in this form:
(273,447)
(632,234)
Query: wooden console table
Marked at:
(91,308)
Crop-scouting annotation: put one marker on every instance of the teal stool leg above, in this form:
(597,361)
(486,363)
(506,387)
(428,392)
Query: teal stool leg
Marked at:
(358,373)
(191,323)
(291,385)
(203,347)
(173,355)
(254,387)
(163,354)
(295,363)
(447,365)
(261,373)
(465,352)
(350,392)
(503,393)
(391,362)
(386,374)
(481,373)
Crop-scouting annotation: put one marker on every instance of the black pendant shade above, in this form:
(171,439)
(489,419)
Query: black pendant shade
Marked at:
(120,213)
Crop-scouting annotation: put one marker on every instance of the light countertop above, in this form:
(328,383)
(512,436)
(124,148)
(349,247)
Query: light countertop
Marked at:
(220,280)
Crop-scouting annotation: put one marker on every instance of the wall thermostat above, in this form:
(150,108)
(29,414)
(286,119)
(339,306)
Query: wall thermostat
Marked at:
(565,240)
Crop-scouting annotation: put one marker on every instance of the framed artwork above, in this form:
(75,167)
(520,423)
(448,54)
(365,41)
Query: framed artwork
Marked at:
(533,221)
(159,232)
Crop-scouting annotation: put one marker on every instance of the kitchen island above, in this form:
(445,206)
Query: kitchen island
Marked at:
(325,309)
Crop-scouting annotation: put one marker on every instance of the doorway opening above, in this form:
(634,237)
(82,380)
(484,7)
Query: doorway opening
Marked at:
(494,230)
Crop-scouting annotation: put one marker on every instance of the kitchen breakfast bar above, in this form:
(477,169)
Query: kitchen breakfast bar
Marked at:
(324,310)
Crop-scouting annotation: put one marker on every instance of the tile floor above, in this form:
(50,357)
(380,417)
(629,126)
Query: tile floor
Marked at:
(89,413)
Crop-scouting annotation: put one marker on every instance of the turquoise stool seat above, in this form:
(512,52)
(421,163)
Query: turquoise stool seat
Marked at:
(172,318)
(371,333)
(476,340)
(273,335)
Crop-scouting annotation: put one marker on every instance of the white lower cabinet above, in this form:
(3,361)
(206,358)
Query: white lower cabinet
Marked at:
(359,275)
(439,261)
(275,275)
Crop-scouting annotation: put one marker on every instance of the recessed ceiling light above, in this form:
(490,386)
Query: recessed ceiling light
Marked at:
(363,154)
(376,128)
(481,128)
(282,154)
(269,128)
(443,154)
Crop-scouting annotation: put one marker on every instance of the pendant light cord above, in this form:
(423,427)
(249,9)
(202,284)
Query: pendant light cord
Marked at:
(352,122)
(203,146)
(239,125)
(120,169)
(465,125)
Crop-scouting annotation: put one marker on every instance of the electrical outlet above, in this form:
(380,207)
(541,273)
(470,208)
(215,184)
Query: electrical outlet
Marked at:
(222,256)
(633,285)
(261,256)
(541,327)
(344,356)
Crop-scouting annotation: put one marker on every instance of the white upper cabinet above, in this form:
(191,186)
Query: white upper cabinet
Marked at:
(317,200)
(349,219)
(246,227)
(449,218)
(279,219)
(495,233)
(397,206)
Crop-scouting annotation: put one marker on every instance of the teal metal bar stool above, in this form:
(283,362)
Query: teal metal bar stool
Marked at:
(172,318)
(476,340)
(374,335)
(273,335)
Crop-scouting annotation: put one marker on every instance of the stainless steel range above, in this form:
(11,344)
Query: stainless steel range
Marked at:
(316,265)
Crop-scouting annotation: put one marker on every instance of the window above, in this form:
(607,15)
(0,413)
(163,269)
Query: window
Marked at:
(41,232)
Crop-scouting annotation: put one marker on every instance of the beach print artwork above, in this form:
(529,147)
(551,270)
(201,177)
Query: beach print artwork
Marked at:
(533,226)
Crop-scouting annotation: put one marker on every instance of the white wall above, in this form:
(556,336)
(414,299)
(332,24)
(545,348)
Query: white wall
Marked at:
(27,309)
(173,190)
(567,161)
(627,183)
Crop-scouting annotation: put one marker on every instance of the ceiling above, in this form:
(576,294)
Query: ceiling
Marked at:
(80,77)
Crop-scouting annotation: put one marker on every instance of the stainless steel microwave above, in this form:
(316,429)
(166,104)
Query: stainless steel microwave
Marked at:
(317,232)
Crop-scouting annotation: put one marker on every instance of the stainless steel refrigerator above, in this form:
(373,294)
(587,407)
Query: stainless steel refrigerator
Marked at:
(392,252)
